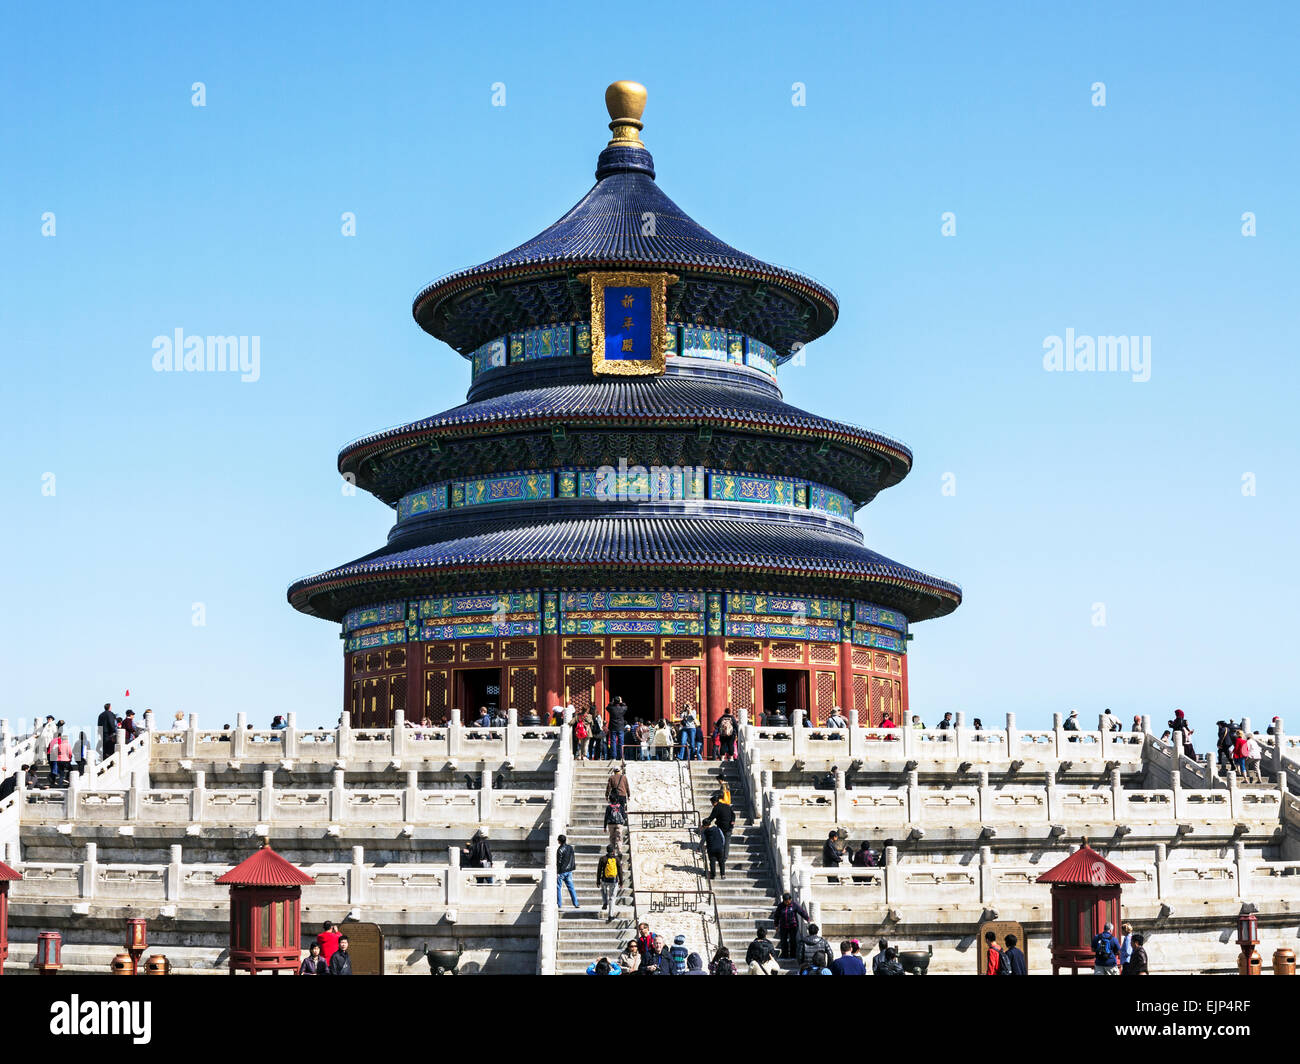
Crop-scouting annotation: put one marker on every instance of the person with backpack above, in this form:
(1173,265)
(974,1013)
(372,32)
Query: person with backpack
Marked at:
(715,850)
(687,722)
(609,878)
(695,965)
(786,917)
(865,856)
(565,863)
(596,745)
(722,964)
(891,964)
(994,960)
(617,788)
(616,823)
(678,953)
(580,735)
(727,735)
(1013,958)
(478,851)
(1105,951)
(1181,734)
(724,816)
(760,956)
(812,942)
(60,754)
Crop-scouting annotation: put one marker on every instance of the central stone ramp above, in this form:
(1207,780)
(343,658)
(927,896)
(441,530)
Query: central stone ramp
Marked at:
(672,892)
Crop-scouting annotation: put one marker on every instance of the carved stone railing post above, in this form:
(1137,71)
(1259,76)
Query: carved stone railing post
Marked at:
(198,796)
(267,798)
(1176,784)
(985,796)
(289,737)
(915,805)
(959,734)
(239,741)
(1013,743)
(397,734)
(485,796)
(893,879)
(357,878)
(1162,871)
(1058,741)
(512,731)
(986,875)
(192,736)
(1279,744)
(1053,799)
(411,797)
(89,872)
(453,877)
(338,797)
(910,738)
(343,740)
(174,873)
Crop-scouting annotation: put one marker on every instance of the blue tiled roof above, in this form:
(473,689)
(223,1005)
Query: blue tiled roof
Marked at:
(603,546)
(667,398)
(608,227)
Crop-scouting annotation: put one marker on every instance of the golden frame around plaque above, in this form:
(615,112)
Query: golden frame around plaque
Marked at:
(658,284)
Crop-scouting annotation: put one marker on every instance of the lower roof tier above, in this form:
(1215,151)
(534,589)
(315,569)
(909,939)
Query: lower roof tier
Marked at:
(686,552)
(399,460)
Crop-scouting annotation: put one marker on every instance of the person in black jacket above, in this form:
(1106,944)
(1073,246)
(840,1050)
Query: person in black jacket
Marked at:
(478,853)
(786,917)
(760,956)
(1137,962)
(8,785)
(1013,958)
(715,849)
(108,730)
(617,711)
(564,866)
(812,942)
(725,817)
(341,962)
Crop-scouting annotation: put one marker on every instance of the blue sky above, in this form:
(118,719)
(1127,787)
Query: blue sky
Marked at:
(1072,489)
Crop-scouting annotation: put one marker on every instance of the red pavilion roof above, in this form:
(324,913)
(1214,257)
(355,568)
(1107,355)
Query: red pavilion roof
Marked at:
(266,868)
(1086,868)
(7,874)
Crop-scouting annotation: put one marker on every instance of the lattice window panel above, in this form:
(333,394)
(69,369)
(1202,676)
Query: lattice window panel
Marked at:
(883,698)
(395,658)
(744,648)
(436,685)
(584,648)
(374,661)
(579,680)
(824,653)
(523,689)
(685,684)
(354,705)
(741,684)
(374,699)
(636,649)
(860,707)
(824,699)
(358,663)
(518,649)
(396,695)
(886,663)
(439,653)
(682,648)
(785,652)
(861,658)
(476,652)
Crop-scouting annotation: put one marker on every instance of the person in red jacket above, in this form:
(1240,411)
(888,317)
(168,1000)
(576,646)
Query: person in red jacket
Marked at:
(995,955)
(329,941)
(1240,751)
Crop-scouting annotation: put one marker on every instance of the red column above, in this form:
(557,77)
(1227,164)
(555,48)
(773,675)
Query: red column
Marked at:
(715,682)
(550,676)
(906,711)
(846,681)
(347,687)
(415,709)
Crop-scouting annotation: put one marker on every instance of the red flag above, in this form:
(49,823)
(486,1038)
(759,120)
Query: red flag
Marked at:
(127,695)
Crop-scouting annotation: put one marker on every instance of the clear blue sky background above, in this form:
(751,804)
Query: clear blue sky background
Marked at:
(1072,490)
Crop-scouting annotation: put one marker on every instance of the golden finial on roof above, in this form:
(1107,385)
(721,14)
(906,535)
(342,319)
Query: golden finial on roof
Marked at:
(625,101)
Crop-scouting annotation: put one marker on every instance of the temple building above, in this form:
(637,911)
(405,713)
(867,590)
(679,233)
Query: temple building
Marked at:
(625,505)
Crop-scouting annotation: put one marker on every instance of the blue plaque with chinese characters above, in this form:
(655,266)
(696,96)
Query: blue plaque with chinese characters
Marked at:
(627,324)
(628,321)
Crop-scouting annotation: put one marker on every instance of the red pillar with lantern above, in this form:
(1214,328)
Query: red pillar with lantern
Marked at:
(1249,962)
(7,876)
(265,896)
(1085,898)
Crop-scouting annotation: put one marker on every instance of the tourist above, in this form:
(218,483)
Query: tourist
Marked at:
(329,941)
(630,959)
(687,722)
(760,956)
(1013,958)
(1105,951)
(615,824)
(645,942)
(694,965)
(812,942)
(595,735)
(785,918)
(978,725)
(44,736)
(814,965)
(946,723)
(678,953)
(484,718)
(663,741)
(1137,962)
(617,727)
(847,963)
(887,721)
(1125,943)
(478,851)
(314,963)
(727,736)
(580,734)
(1240,748)
(715,850)
(609,878)
(1072,724)
(699,741)
(833,850)
(994,960)
(564,866)
(724,816)
(865,856)
(178,721)
(644,735)
(146,725)
(1181,733)
(836,719)
(8,783)
(280,724)
(341,962)
(1254,754)
(130,729)
(666,964)
(617,788)
(1223,744)
(877,962)
(225,734)
(918,723)
(890,965)
(60,754)
(603,967)
(499,718)
(30,779)
(722,964)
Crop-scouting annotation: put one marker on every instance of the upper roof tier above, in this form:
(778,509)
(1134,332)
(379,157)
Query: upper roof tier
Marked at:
(626,221)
